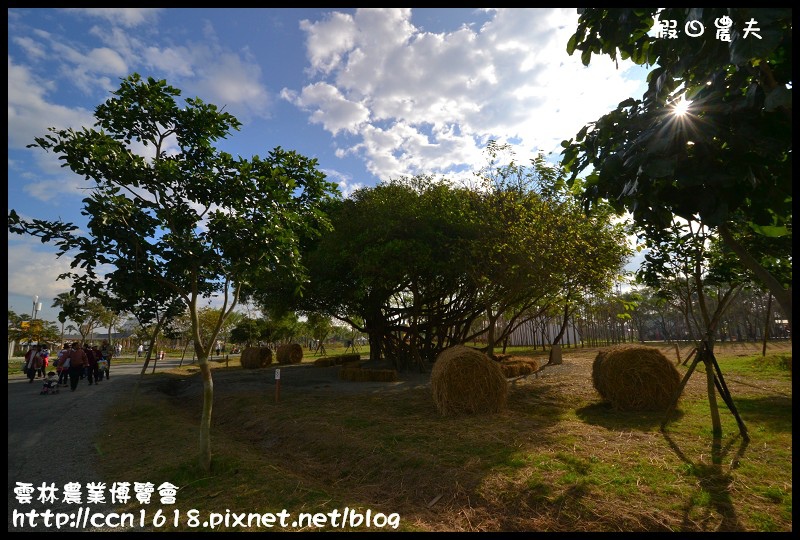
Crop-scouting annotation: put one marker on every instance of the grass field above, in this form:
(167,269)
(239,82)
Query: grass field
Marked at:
(557,459)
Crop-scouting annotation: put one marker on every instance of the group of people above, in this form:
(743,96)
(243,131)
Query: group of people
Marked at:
(36,361)
(73,363)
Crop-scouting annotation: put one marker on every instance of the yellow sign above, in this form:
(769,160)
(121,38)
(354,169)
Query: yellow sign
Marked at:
(24,325)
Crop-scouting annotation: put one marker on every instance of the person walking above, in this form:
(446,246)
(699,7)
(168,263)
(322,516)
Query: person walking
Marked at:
(139,351)
(33,362)
(77,362)
(104,359)
(92,356)
(62,364)
(44,352)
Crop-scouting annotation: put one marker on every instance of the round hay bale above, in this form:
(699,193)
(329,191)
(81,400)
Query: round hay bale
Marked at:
(290,354)
(466,381)
(256,357)
(635,378)
(516,366)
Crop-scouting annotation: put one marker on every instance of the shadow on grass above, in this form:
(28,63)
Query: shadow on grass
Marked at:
(772,412)
(714,482)
(602,414)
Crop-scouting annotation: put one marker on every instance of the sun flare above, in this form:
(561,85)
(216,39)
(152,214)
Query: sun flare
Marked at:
(681,107)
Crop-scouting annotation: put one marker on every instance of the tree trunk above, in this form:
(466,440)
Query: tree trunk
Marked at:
(783,296)
(766,326)
(375,325)
(205,421)
(712,396)
(564,323)
(490,335)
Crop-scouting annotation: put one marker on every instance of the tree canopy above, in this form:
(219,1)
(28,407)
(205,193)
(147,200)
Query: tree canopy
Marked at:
(420,264)
(167,209)
(711,139)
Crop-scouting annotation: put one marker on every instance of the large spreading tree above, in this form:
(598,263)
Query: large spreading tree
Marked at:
(710,140)
(166,207)
(420,264)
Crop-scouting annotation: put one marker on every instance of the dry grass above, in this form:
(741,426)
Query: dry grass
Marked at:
(557,458)
(518,366)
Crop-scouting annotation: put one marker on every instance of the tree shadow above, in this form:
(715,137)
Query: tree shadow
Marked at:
(773,412)
(714,480)
(602,414)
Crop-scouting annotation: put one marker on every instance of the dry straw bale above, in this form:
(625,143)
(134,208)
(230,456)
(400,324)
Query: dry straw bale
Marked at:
(635,378)
(516,366)
(342,359)
(367,375)
(325,361)
(256,357)
(338,360)
(464,380)
(290,354)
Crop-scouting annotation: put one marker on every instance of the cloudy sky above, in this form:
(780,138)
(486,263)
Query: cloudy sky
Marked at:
(373,94)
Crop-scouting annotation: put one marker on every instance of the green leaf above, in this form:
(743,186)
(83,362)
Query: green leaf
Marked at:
(771,231)
(573,41)
(659,168)
(779,97)
(586,56)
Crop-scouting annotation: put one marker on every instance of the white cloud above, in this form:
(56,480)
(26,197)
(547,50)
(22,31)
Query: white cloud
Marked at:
(30,112)
(127,17)
(229,80)
(176,61)
(329,107)
(327,40)
(32,48)
(32,270)
(426,103)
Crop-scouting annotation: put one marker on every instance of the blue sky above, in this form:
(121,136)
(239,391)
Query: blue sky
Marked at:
(373,94)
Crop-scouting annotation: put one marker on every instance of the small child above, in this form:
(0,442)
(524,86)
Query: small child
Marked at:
(50,385)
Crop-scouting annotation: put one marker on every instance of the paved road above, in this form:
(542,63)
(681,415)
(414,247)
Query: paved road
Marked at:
(50,440)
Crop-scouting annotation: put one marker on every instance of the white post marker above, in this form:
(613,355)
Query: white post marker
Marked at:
(277,384)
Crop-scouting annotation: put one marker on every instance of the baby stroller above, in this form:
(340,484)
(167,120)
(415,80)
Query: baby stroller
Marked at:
(50,384)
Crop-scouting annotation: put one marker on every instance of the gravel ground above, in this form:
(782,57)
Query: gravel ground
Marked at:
(50,443)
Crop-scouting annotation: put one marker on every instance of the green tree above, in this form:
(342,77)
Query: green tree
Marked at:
(710,140)
(319,327)
(249,331)
(24,330)
(187,216)
(688,269)
(414,263)
(66,303)
(86,311)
